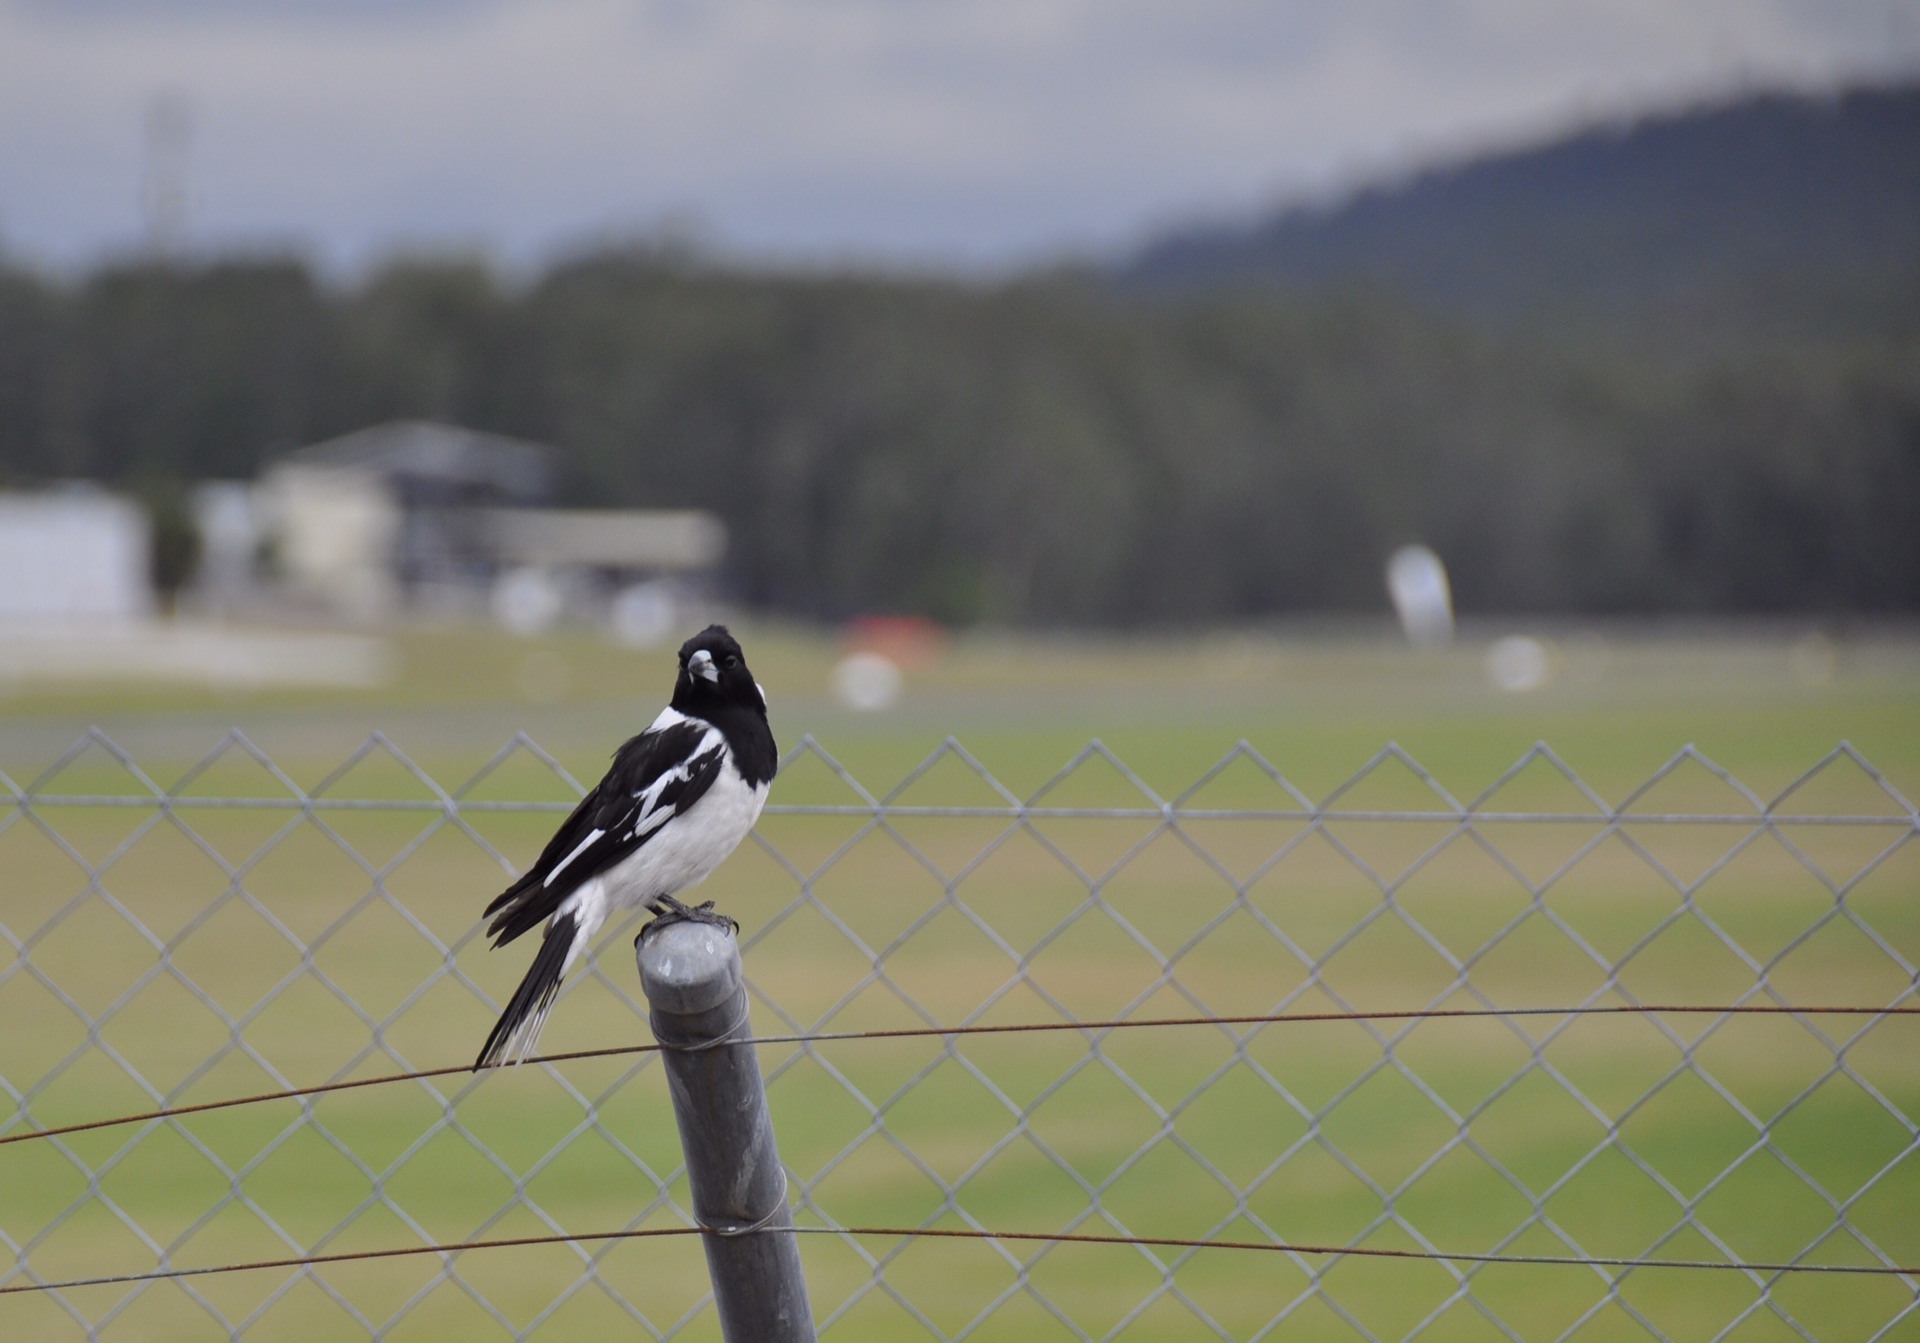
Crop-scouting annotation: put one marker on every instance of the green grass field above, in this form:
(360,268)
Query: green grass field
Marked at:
(1177,1132)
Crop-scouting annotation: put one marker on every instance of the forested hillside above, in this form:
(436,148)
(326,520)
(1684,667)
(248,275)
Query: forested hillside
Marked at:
(1761,210)
(1061,449)
(1042,451)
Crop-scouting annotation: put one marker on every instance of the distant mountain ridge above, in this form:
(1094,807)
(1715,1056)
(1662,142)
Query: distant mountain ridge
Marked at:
(1769,195)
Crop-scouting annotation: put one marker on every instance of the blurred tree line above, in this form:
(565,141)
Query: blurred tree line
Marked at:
(1041,450)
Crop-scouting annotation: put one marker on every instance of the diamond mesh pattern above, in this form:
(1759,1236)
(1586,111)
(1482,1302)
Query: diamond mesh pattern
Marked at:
(235,930)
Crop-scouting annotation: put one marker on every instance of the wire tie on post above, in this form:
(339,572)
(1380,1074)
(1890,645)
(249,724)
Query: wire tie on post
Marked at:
(749,1228)
(667,1040)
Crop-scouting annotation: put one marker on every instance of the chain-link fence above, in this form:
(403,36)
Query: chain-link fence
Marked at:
(234,930)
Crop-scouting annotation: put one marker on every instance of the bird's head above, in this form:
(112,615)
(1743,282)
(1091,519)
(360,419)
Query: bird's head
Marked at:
(713,673)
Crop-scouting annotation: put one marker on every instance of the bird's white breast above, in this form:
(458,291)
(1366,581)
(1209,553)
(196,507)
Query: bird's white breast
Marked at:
(690,845)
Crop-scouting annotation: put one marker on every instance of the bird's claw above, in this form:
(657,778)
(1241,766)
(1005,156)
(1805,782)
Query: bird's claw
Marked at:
(668,910)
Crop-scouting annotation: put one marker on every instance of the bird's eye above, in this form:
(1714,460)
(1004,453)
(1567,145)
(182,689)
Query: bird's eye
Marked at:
(732,661)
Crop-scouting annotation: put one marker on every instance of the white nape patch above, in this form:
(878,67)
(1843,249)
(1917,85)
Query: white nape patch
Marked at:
(763,695)
(578,849)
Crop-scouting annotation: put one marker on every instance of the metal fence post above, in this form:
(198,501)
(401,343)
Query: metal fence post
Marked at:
(691,975)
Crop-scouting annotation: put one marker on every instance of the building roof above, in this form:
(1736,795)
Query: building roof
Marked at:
(661,540)
(440,454)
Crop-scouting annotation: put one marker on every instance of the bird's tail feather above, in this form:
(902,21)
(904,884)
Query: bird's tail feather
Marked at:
(518,1030)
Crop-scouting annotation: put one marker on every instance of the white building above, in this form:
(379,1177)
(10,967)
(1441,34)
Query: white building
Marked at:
(79,556)
(437,517)
(375,518)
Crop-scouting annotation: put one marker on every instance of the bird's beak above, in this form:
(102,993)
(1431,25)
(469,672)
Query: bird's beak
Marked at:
(701,665)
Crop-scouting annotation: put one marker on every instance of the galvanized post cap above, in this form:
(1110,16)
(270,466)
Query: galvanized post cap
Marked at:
(689,967)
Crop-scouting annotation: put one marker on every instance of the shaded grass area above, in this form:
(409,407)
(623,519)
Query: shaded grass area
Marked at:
(1465,1136)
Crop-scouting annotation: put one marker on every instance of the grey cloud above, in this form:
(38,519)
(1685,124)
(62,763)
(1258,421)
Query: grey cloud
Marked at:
(257,13)
(981,132)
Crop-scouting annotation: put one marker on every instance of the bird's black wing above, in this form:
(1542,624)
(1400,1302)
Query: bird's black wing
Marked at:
(655,777)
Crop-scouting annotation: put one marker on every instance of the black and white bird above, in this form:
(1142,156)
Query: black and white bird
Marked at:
(678,799)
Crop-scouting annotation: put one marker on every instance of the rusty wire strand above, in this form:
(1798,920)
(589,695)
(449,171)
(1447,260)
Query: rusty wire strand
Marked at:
(969,1233)
(1016,1028)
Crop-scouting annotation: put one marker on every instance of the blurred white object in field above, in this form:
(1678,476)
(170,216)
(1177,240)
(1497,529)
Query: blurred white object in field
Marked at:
(528,601)
(645,615)
(866,682)
(213,655)
(1517,664)
(1417,582)
(75,555)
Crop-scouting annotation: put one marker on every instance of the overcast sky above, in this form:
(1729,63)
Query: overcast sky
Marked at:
(970,132)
